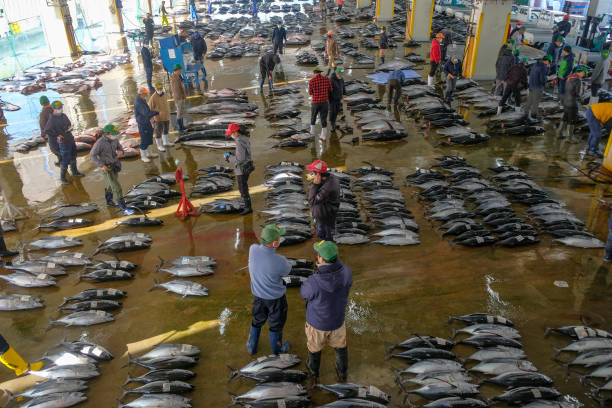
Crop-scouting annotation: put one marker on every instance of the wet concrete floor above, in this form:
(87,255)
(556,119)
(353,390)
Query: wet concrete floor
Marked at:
(397,291)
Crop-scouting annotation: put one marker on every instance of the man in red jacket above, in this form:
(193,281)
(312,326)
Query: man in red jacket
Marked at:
(435,56)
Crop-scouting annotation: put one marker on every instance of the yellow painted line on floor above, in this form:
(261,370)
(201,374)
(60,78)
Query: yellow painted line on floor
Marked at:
(172,336)
(156,213)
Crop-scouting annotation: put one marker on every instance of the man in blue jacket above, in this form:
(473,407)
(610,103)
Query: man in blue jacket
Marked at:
(267,269)
(143,115)
(554,50)
(537,82)
(396,79)
(279,37)
(326,294)
(452,70)
(147,63)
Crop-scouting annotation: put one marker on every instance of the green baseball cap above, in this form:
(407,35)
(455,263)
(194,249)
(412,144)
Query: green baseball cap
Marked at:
(177,66)
(517,52)
(583,69)
(560,39)
(271,233)
(605,53)
(57,105)
(44,100)
(317,69)
(339,71)
(510,40)
(548,57)
(524,60)
(112,129)
(326,250)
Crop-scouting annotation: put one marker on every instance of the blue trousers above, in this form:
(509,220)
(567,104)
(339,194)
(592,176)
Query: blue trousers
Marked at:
(562,85)
(146,135)
(68,153)
(149,75)
(325,229)
(594,131)
(194,15)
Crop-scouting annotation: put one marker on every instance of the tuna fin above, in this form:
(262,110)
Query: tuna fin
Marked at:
(558,351)
(162,261)
(129,380)
(233,373)
(425,340)
(390,346)
(51,323)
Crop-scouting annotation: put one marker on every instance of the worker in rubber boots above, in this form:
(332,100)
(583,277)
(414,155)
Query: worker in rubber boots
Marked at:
(332,51)
(383,44)
(566,66)
(326,293)
(177,87)
(243,163)
(324,199)
(147,63)
(144,115)
(198,45)
(267,63)
(60,127)
(159,102)
(564,26)
(516,79)
(44,116)
(537,83)
(279,38)
(452,71)
(106,153)
(396,79)
(597,115)
(12,360)
(335,97)
(571,101)
(435,56)
(266,269)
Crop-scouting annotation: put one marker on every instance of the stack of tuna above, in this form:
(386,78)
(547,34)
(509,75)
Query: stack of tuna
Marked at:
(350,228)
(386,207)
(65,384)
(594,356)
(238,102)
(300,270)
(64,217)
(152,193)
(210,136)
(212,180)
(355,395)
(445,380)
(167,378)
(284,106)
(125,242)
(184,267)
(450,192)
(286,202)
(278,386)
(93,306)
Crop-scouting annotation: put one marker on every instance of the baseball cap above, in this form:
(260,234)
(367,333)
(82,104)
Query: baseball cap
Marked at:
(547,57)
(159,85)
(605,53)
(143,90)
(524,60)
(339,71)
(110,128)
(326,249)
(57,104)
(233,127)
(439,35)
(44,100)
(317,166)
(583,69)
(271,232)
(566,17)
(317,69)
(560,39)
(177,66)
(330,32)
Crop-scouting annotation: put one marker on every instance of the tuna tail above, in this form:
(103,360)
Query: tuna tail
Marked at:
(11,397)
(234,399)
(51,323)
(454,332)
(547,332)
(123,395)
(398,376)
(233,374)
(155,285)
(66,300)
(130,379)
(558,351)
(390,347)
(162,261)
(130,361)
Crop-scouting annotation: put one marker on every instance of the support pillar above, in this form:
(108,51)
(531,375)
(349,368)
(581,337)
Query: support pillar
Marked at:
(384,10)
(150,7)
(418,21)
(485,36)
(117,8)
(364,3)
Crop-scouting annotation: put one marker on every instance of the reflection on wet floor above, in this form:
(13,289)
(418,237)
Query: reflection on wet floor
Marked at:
(397,290)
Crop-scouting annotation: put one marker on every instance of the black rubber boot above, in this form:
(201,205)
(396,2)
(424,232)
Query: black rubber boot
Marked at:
(74,171)
(63,171)
(342,363)
(109,198)
(4,252)
(247,207)
(313,363)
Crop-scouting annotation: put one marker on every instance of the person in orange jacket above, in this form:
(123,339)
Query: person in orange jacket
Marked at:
(435,56)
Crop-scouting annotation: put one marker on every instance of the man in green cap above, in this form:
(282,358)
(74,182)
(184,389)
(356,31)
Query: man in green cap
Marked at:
(335,96)
(177,87)
(571,100)
(105,153)
(554,49)
(43,118)
(537,82)
(59,127)
(326,294)
(598,75)
(516,79)
(266,269)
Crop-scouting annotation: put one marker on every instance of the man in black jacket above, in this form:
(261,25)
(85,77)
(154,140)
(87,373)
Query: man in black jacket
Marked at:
(149,25)
(516,79)
(335,97)
(279,37)
(324,199)
(266,67)
(564,26)
(147,63)
(60,127)
(502,66)
(198,45)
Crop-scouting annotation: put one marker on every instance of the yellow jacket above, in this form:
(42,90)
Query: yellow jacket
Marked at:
(602,111)
(159,103)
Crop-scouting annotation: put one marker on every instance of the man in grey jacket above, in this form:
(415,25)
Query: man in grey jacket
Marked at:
(598,76)
(502,66)
(243,163)
(105,153)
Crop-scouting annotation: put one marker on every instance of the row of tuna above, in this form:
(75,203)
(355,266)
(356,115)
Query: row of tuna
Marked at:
(445,379)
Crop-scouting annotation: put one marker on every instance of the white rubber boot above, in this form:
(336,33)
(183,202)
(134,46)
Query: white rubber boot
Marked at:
(593,100)
(150,152)
(143,156)
(499,110)
(430,81)
(312,129)
(166,142)
(160,146)
(323,136)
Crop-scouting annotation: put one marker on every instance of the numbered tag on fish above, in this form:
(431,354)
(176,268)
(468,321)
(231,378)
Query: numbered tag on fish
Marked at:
(184,348)
(375,392)
(285,357)
(50,265)
(362,392)
(502,320)
(25,298)
(141,235)
(113,291)
(78,255)
(124,264)
(142,219)
(581,332)
(86,349)
(468,227)
(100,293)
(480,240)
(490,319)
(42,276)
(69,239)
(166,387)
(94,304)
(97,351)
(185,261)
(100,312)
(536,393)
(519,238)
